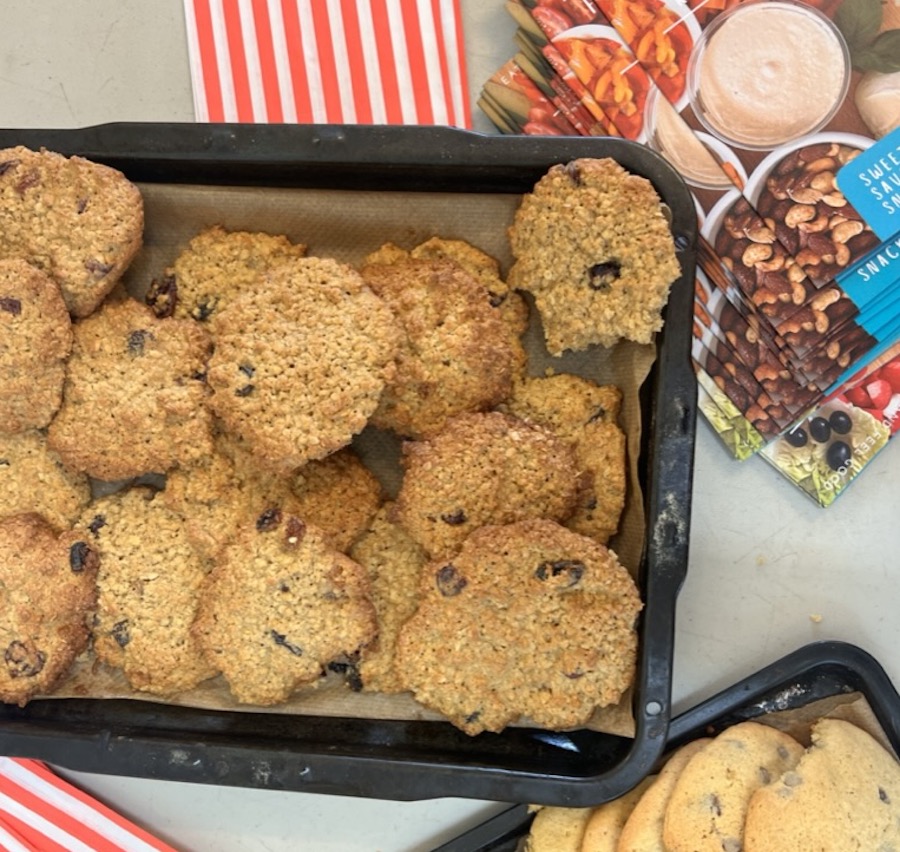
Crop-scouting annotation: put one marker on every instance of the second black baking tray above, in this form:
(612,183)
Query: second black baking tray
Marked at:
(399,759)
(816,671)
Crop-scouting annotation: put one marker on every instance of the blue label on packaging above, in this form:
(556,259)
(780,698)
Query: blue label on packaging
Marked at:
(871,183)
(875,276)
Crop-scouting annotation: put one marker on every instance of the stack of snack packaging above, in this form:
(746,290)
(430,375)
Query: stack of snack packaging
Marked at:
(783,117)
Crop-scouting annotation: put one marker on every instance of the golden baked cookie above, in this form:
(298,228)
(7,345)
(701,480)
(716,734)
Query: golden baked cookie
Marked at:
(148,589)
(280,606)
(47,595)
(34,479)
(394,562)
(80,222)
(593,246)
(709,801)
(300,364)
(216,266)
(35,341)
(844,793)
(135,395)
(463,655)
(585,415)
(456,353)
(480,469)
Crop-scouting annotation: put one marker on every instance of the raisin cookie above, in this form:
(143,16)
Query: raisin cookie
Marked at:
(299,365)
(135,396)
(280,606)
(47,594)
(34,479)
(593,246)
(148,588)
(216,266)
(844,793)
(488,468)
(35,341)
(456,352)
(462,653)
(585,415)
(708,803)
(394,562)
(80,222)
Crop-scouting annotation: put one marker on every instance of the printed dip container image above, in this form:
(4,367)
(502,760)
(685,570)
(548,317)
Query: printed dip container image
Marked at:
(767,72)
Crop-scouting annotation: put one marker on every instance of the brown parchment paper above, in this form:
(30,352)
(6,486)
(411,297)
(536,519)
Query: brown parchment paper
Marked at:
(347,225)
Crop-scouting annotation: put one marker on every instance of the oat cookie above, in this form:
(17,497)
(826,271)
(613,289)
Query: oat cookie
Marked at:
(843,794)
(47,594)
(643,829)
(80,222)
(34,479)
(592,244)
(462,653)
(216,266)
(585,415)
(281,605)
(299,365)
(488,468)
(35,341)
(708,804)
(338,494)
(148,582)
(394,562)
(134,398)
(456,353)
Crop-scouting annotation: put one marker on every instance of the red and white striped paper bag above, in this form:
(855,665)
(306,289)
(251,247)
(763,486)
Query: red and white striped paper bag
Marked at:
(41,812)
(328,61)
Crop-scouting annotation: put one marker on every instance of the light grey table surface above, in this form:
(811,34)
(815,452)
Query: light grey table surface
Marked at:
(764,558)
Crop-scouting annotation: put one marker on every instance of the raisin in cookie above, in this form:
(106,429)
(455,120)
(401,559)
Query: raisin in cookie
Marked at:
(488,468)
(394,562)
(216,266)
(456,352)
(148,582)
(585,415)
(281,605)
(47,594)
(134,399)
(593,246)
(80,222)
(708,803)
(34,479)
(844,793)
(35,341)
(462,653)
(300,364)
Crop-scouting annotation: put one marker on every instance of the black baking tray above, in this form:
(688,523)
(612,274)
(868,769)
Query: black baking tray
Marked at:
(402,760)
(815,671)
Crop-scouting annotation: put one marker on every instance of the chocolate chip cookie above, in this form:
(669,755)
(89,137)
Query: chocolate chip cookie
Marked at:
(47,594)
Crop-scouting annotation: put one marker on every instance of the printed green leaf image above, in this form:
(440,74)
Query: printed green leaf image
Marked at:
(859,21)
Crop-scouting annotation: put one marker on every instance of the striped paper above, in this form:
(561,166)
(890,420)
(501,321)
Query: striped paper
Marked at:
(328,61)
(40,812)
